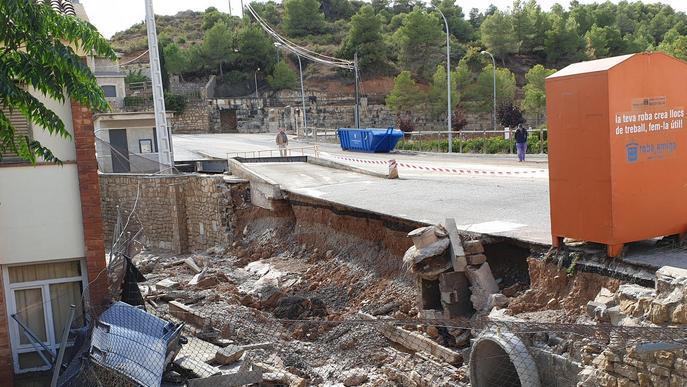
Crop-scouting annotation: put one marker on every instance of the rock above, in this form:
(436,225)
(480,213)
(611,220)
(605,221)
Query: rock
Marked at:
(191,263)
(497,300)
(229,355)
(414,257)
(669,277)
(592,307)
(613,315)
(680,314)
(605,297)
(634,292)
(355,378)
(512,290)
(432,331)
(659,313)
(329,254)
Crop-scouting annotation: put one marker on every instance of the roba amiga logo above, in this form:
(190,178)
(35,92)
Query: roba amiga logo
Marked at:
(636,152)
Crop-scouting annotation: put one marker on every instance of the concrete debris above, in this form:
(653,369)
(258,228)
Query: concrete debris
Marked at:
(274,374)
(196,278)
(473,247)
(229,355)
(423,237)
(483,285)
(669,277)
(242,378)
(191,263)
(497,300)
(476,259)
(186,314)
(416,341)
(458,259)
(605,297)
(196,367)
(415,255)
(455,294)
(167,284)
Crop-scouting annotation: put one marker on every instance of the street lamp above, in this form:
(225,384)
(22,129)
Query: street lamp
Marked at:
(494,68)
(300,70)
(256,82)
(448,80)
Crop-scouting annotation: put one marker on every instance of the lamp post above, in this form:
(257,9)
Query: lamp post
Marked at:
(300,70)
(494,68)
(256,83)
(448,80)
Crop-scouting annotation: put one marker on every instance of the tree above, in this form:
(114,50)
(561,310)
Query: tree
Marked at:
(459,119)
(498,35)
(438,95)
(603,42)
(212,16)
(336,9)
(43,50)
(563,44)
(674,44)
(177,61)
(484,88)
(458,26)
(406,95)
(163,68)
(528,26)
(303,17)
(255,49)
(282,77)
(534,101)
(217,45)
(420,40)
(365,38)
(509,115)
(268,11)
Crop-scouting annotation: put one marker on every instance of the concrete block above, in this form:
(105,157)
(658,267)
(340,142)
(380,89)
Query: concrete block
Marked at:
(483,285)
(476,259)
(605,297)
(458,259)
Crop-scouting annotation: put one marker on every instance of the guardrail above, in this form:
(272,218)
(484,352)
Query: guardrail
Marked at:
(302,151)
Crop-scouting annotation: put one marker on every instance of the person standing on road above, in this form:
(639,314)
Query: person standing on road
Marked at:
(282,142)
(521,142)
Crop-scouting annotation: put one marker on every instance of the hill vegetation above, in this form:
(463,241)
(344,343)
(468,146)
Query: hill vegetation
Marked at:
(406,39)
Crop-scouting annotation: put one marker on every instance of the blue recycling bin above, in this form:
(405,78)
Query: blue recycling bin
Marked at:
(369,140)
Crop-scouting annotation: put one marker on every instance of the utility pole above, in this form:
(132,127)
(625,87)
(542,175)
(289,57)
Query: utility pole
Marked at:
(229,7)
(164,138)
(357,91)
(493,61)
(256,83)
(300,70)
(448,81)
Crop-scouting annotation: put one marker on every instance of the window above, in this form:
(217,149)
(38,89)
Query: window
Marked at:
(40,296)
(22,128)
(110,91)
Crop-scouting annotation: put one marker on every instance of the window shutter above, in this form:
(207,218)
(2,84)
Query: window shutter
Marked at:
(21,126)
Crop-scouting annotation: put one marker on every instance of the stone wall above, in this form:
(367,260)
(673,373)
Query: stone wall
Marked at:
(194,119)
(663,313)
(176,213)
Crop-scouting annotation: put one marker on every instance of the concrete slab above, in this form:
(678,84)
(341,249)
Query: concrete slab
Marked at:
(510,207)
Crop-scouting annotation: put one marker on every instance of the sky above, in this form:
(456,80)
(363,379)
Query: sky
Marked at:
(113,16)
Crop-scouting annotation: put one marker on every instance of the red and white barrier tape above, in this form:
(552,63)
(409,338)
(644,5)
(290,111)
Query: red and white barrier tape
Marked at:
(460,171)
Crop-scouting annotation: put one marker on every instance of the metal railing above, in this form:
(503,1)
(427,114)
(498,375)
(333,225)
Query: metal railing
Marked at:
(300,151)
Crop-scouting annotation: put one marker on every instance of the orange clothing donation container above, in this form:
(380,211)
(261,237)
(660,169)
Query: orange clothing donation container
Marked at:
(618,149)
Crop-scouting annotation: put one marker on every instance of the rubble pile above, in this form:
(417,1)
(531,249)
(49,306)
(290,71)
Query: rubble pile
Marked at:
(269,307)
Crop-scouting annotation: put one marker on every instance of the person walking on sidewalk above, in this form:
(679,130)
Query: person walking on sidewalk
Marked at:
(521,142)
(282,142)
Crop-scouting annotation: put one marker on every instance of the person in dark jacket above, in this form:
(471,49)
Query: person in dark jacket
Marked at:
(282,143)
(521,142)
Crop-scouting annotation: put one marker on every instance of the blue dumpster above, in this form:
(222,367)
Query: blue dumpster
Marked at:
(369,140)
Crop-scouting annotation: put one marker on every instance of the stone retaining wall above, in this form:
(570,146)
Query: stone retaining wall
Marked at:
(176,213)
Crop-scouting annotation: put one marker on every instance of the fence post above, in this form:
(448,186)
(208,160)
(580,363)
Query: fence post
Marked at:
(460,142)
(541,140)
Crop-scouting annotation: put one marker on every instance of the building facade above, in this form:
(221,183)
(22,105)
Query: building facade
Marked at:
(51,237)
